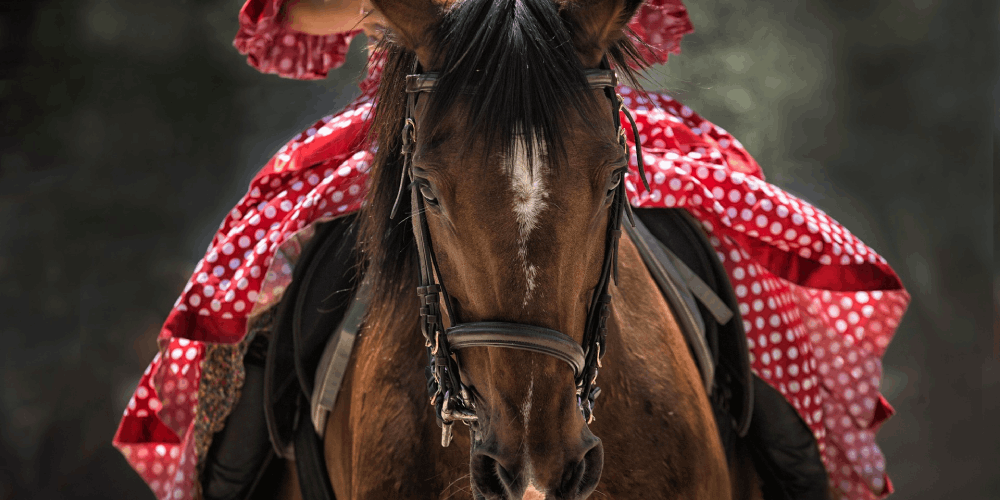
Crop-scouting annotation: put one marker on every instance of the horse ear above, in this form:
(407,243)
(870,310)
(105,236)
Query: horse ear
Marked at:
(598,25)
(413,22)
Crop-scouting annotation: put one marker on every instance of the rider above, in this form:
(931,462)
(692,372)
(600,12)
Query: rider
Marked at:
(818,306)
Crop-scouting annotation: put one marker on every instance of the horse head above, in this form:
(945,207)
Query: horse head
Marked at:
(513,170)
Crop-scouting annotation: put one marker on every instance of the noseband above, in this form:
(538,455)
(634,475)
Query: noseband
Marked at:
(450,397)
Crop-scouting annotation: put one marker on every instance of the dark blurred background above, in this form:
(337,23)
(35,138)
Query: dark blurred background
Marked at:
(130,128)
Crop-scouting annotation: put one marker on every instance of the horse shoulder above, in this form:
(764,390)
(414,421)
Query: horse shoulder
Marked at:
(381,440)
(654,398)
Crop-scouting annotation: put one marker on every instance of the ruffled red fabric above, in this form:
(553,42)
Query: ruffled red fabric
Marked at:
(661,24)
(271,47)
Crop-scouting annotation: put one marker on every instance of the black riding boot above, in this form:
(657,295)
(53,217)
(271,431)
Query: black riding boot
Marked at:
(784,450)
(241,452)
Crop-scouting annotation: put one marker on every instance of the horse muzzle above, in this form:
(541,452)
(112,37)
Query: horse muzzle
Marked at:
(526,476)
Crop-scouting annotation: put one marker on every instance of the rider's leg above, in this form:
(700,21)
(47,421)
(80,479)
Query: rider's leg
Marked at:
(241,451)
(784,450)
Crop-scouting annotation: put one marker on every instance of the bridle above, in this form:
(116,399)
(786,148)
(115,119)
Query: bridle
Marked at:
(448,395)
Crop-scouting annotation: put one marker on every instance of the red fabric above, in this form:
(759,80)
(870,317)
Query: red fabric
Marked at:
(661,24)
(155,434)
(270,47)
(818,305)
(806,272)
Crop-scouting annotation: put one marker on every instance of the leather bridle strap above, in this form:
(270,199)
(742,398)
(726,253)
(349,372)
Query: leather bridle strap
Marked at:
(424,82)
(450,397)
(518,336)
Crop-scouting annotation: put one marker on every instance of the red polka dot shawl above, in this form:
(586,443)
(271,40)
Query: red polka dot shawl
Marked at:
(818,305)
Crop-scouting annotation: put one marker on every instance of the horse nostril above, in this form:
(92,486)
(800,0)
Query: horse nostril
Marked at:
(504,476)
(489,478)
(580,479)
(571,477)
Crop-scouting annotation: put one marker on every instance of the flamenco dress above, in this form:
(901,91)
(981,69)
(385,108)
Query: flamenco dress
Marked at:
(819,306)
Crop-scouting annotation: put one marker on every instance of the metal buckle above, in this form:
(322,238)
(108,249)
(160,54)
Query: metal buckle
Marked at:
(456,409)
(409,136)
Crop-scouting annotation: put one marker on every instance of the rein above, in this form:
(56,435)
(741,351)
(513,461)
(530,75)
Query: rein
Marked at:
(449,396)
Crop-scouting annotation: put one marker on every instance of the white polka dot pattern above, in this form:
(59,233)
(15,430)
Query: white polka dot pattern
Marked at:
(662,24)
(157,417)
(272,48)
(238,271)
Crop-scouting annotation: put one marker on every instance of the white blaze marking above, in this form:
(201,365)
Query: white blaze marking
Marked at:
(526,407)
(532,492)
(527,182)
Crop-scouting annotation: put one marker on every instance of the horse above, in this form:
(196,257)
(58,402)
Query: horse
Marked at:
(509,154)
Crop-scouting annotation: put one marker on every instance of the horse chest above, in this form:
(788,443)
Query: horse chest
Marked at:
(382,439)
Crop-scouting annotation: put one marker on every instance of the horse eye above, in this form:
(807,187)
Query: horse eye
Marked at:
(616,179)
(428,194)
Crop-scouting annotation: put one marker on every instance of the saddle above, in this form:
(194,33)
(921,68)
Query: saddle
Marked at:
(309,347)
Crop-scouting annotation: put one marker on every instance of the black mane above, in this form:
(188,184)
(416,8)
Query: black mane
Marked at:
(513,65)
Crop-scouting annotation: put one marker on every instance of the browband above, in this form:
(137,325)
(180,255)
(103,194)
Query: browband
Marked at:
(424,82)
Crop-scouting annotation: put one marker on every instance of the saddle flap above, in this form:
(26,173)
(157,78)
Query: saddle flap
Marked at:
(336,357)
